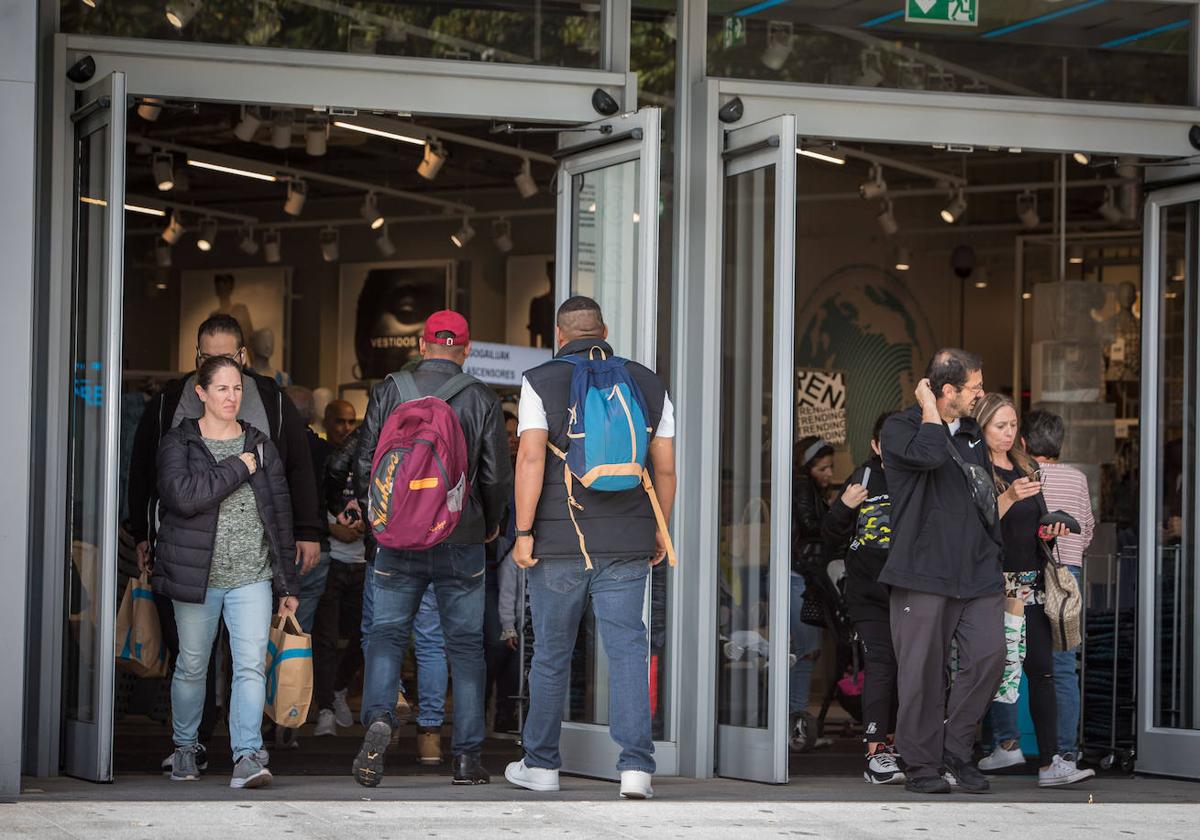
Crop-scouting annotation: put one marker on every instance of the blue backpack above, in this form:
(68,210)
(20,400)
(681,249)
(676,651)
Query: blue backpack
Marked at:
(608,436)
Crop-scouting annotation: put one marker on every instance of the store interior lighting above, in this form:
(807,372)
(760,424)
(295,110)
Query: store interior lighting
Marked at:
(1180,272)
(432,160)
(370,212)
(329,244)
(91,4)
(281,128)
(463,235)
(316,135)
(173,230)
(1082,158)
(231,170)
(526,185)
(163,167)
(825,154)
(1027,209)
(875,186)
(1108,208)
(180,12)
(162,254)
(981,277)
(376,132)
(502,235)
(954,210)
(248,125)
(149,109)
(247,244)
(903,259)
(1075,255)
(384,243)
(887,219)
(297,194)
(207,236)
(272,246)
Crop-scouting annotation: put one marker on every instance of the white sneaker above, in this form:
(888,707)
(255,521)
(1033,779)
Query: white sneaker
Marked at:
(883,768)
(531,778)
(635,784)
(326,723)
(1061,773)
(341,710)
(1000,758)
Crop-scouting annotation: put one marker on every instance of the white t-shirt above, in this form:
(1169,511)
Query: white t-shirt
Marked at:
(954,427)
(531,413)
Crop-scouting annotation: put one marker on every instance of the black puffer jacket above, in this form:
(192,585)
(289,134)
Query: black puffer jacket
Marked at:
(810,554)
(191,486)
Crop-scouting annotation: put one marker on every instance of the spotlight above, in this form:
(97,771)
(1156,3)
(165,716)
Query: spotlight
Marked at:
(91,4)
(384,243)
(874,188)
(248,244)
(149,109)
(162,165)
(272,246)
(162,254)
(1180,272)
(281,128)
(981,277)
(329,244)
(1109,209)
(953,211)
(903,259)
(432,160)
(247,127)
(1082,158)
(370,212)
(297,194)
(1075,255)
(207,235)
(779,45)
(173,230)
(1027,210)
(316,132)
(181,12)
(463,235)
(526,186)
(502,235)
(887,219)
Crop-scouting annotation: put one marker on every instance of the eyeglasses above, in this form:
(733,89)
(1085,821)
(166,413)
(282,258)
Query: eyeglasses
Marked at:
(201,358)
(974,389)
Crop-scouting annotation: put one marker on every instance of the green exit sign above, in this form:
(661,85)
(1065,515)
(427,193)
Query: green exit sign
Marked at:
(948,12)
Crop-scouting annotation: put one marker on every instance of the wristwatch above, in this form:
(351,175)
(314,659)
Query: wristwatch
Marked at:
(528,533)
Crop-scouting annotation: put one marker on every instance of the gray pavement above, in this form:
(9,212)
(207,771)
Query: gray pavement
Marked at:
(422,806)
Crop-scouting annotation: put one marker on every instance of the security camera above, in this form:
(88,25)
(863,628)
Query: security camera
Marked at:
(604,104)
(1194,136)
(82,70)
(731,111)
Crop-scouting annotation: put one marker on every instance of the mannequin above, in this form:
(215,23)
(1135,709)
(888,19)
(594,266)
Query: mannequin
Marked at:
(262,347)
(1123,354)
(322,397)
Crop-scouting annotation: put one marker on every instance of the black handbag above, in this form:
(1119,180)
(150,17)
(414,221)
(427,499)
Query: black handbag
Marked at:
(980,485)
(811,612)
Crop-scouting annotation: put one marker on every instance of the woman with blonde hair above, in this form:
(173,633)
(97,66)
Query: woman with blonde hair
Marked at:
(1021,508)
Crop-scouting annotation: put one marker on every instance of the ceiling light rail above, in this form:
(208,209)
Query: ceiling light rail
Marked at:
(410,132)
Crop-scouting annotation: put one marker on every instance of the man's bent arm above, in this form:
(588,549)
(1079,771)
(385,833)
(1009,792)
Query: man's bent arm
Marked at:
(662,463)
(531,469)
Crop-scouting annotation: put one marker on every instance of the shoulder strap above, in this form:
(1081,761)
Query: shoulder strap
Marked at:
(406,385)
(954,453)
(455,386)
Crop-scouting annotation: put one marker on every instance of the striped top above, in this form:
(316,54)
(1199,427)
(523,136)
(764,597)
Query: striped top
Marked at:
(1066,488)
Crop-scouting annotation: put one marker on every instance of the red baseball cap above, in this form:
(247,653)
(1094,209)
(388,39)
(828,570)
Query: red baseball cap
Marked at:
(447,320)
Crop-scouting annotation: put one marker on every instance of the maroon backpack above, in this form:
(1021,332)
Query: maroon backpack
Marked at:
(419,483)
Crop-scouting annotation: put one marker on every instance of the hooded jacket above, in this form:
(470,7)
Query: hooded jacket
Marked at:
(940,544)
(868,530)
(191,486)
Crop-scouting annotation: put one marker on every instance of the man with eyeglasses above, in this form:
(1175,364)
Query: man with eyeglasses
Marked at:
(944,570)
(266,408)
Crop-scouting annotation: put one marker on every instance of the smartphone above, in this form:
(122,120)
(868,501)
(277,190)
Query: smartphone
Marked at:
(866,479)
(1037,475)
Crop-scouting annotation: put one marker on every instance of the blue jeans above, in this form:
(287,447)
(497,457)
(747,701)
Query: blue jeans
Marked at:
(400,581)
(247,613)
(430,648)
(805,640)
(559,590)
(1066,687)
(312,587)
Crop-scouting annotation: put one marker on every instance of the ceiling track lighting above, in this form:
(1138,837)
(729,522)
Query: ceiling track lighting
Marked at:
(1108,208)
(370,211)
(180,12)
(272,246)
(432,159)
(162,165)
(162,254)
(329,244)
(502,235)
(464,234)
(375,132)
(903,259)
(316,135)
(91,4)
(173,230)
(249,124)
(526,185)
(281,128)
(150,108)
(1075,255)
(981,277)
(384,243)
(297,194)
(887,219)
(1082,158)
(954,210)
(207,236)
(247,244)
(231,170)
(1027,209)
(874,188)
(825,154)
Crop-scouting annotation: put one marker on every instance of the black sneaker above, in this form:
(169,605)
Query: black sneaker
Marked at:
(926,784)
(368,764)
(468,771)
(967,775)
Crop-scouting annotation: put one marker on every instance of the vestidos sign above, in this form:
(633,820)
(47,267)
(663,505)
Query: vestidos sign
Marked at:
(949,12)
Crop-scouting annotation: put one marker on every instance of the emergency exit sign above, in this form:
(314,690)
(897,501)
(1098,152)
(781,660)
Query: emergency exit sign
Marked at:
(947,12)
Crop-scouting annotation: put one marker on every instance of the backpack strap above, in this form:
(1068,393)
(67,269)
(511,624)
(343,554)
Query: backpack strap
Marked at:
(406,385)
(454,386)
(648,485)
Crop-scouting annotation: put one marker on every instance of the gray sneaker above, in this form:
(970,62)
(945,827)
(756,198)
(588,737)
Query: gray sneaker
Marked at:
(183,765)
(248,773)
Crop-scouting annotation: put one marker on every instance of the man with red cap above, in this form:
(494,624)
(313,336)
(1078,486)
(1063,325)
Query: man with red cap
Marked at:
(455,566)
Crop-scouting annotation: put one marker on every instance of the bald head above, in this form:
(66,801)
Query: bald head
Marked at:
(339,421)
(580,317)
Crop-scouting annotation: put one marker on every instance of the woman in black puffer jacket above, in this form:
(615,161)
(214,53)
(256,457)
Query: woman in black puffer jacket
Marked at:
(225,549)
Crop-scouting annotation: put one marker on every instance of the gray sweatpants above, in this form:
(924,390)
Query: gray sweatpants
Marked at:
(928,725)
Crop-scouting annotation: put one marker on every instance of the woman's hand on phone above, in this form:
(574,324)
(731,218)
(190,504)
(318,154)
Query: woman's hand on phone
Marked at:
(250,461)
(1023,488)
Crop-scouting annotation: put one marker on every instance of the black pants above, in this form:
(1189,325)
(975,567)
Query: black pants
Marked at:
(338,613)
(503,663)
(879,698)
(170,635)
(1039,671)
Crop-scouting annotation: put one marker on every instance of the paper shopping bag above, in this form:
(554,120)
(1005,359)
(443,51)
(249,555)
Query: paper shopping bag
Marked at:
(138,640)
(289,672)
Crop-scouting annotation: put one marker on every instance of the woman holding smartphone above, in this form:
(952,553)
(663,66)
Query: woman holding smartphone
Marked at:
(225,549)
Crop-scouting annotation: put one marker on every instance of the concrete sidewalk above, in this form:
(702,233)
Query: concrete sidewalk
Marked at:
(409,806)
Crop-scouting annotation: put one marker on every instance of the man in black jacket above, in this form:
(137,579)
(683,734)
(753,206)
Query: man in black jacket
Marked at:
(454,566)
(944,570)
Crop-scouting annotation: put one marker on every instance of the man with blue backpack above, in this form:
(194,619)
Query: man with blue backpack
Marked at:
(589,525)
(433,476)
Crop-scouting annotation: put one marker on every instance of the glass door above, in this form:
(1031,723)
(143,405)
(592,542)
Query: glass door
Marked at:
(90,553)
(1169,649)
(607,249)
(756,421)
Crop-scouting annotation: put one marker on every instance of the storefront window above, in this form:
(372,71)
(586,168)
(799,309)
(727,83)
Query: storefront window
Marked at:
(562,34)
(1099,50)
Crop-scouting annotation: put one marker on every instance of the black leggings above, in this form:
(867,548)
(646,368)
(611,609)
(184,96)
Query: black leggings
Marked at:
(879,682)
(1039,671)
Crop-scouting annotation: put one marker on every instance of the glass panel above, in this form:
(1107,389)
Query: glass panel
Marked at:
(563,34)
(1105,50)
(747,295)
(85,458)
(1176,674)
(604,246)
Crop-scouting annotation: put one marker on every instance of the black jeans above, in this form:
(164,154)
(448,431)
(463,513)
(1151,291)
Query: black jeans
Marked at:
(879,697)
(170,635)
(339,612)
(1039,671)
